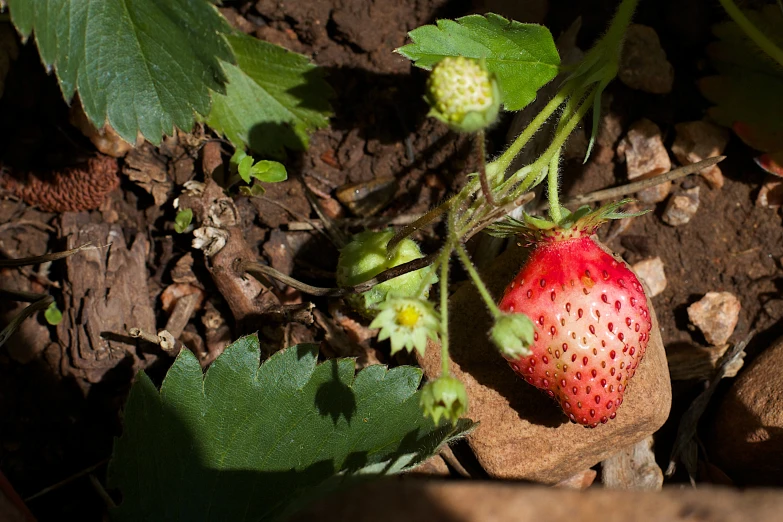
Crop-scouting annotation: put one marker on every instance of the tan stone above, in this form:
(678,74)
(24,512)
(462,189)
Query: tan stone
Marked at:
(419,500)
(747,436)
(646,157)
(633,468)
(697,141)
(681,207)
(716,314)
(651,272)
(523,434)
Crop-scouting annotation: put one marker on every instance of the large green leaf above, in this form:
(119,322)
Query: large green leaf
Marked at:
(523,57)
(273,100)
(247,443)
(142,65)
(750,83)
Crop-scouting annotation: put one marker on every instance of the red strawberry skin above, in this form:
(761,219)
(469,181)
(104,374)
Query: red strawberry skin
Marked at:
(592,325)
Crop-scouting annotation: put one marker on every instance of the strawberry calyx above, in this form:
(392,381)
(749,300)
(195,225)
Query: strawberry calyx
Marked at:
(583,221)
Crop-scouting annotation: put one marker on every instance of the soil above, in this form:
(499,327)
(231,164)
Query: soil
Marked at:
(62,389)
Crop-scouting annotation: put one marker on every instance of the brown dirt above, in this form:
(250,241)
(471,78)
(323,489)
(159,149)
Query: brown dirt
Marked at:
(55,422)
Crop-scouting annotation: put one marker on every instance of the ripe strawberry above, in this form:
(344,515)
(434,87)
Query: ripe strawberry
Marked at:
(591,318)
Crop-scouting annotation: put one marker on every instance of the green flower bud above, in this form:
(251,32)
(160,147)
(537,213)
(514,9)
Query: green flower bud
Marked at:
(513,334)
(407,322)
(366,256)
(444,397)
(463,94)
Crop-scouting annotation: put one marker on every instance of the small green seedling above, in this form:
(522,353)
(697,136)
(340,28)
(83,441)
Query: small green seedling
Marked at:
(183,220)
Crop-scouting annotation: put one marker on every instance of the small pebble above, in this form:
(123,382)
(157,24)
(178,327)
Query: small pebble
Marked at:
(716,315)
(681,207)
(771,192)
(699,140)
(646,157)
(651,272)
(643,65)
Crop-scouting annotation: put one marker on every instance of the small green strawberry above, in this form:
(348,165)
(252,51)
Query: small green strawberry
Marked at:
(463,94)
(366,256)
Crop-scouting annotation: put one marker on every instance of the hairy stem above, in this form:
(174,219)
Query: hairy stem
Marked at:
(553,188)
(485,188)
(444,308)
(480,286)
(503,162)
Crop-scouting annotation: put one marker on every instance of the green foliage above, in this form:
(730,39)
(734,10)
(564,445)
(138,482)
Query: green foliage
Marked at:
(248,443)
(264,170)
(274,98)
(522,57)
(749,86)
(142,65)
(183,220)
(53,315)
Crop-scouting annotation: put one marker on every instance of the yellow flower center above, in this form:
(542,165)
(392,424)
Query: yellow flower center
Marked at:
(408,316)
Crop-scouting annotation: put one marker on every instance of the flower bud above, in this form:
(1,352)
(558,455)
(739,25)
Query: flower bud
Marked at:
(513,334)
(463,94)
(444,397)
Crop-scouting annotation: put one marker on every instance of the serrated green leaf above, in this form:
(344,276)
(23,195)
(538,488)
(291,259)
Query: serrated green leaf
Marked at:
(523,57)
(274,98)
(246,443)
(748,89)
(142,65)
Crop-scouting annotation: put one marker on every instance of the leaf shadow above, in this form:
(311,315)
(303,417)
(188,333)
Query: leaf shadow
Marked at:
(335,398)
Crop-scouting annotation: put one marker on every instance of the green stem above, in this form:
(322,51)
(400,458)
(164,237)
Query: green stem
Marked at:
(502,163)
(480,286)
(553,188)
(620,22)
(444,308)
(558,142)
(759,38)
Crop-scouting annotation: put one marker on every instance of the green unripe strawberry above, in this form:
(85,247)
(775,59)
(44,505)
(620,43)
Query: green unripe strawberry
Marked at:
(463,94)
(366,256)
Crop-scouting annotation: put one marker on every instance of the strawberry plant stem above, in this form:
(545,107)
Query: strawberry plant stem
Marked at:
(759,38)
(503,162)
(483,169)
(444,307)
(480,286)
(553,187)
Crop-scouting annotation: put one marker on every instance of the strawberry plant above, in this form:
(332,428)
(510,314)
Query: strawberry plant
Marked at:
(571,294)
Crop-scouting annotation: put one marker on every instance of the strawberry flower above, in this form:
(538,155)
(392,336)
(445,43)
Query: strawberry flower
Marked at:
(408,322)
(444,397)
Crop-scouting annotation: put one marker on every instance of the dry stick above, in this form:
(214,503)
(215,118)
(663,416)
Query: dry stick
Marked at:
(43,302)
(255,268)
(312,224)
(67,480)
(54,256)
(630,188)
